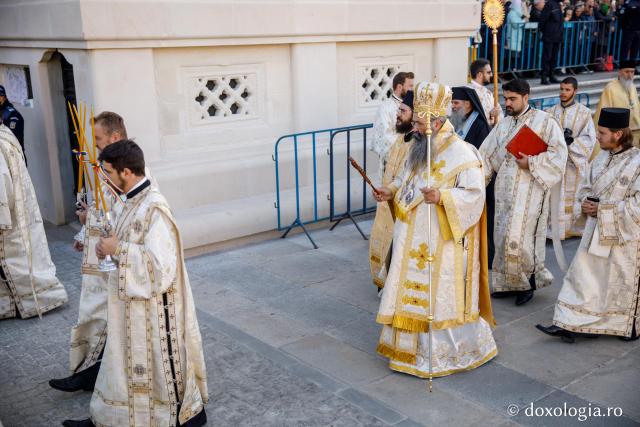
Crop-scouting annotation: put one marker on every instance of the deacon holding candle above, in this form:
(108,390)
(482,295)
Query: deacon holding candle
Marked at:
(29,284)
(523,189)
(600,291)
(153,371)
(89,335)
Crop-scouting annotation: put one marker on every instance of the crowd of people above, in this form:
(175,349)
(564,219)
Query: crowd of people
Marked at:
(574,35)
(464,190)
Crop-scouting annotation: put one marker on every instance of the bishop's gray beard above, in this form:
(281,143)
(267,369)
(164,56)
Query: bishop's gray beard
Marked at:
(457,119)
(418,155)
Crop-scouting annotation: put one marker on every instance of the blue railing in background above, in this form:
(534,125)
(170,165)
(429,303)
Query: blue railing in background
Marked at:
(585,44)
(542,103)
(348,213)
(312,138)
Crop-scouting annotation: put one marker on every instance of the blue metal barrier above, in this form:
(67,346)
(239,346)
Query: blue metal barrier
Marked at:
(542,103)
(349,212)
(301,139)
(585,44)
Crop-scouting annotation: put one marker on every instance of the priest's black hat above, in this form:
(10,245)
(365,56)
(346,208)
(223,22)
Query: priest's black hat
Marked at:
(614,118)
(408,99)
(627,63)
(464,93)
(460,93)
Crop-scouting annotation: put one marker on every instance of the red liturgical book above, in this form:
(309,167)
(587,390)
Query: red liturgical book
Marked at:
(526,141)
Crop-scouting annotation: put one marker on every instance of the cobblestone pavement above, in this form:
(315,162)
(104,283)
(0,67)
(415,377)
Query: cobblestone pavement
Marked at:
(290,340)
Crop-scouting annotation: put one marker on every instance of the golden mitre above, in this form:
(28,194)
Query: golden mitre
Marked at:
(432,99)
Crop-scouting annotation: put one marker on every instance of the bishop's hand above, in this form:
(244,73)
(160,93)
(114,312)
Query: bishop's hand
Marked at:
(383,194)
(431,195)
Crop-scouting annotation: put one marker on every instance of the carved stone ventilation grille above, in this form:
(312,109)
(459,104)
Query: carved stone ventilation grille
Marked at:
(224,96)
(377,82)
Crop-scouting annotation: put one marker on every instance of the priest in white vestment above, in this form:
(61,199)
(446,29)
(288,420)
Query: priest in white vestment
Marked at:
(600,293)
(580,136)
(153,371)
(89,335)
(29,284)
(455,194)
(522,195)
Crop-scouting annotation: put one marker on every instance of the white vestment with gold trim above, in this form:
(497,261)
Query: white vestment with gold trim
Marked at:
(89,334)
(522,200)
(24,252)
(153,359)
(576,117)
(600,290)
(462,337)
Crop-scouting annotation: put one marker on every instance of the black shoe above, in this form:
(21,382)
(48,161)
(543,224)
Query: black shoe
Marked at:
(504,294)
(556,331)
(553,79)
(83,380)
(197,421)
(631,338)
(524,297)
(78,423)
(552,330)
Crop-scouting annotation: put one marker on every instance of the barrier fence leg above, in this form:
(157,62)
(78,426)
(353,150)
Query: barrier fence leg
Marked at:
(301,225)
(345,216)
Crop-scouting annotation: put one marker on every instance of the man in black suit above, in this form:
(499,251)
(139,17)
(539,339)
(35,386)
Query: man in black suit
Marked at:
(550,25)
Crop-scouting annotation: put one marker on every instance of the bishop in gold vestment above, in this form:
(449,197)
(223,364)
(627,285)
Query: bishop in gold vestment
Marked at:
(30,286)
(462,336)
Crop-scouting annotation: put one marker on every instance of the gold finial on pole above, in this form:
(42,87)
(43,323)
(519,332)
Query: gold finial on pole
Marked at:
(493,14)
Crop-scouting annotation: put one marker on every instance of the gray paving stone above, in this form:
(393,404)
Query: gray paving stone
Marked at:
(410,396)
(338,359)
(354,288)
(496,387)
(362,333)
(614,385)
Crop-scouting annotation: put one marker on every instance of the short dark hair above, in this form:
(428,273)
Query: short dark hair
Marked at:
(400,78)
(519,86)
(477,66)
(112,122)
(570,81)
(124,154)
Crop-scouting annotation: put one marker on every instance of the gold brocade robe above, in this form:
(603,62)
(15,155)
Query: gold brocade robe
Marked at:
(382,230)
(24,252)
(89,334)
(616,95)
(576,117)
(600,290)
(522,200)
(153,359)
(462,337)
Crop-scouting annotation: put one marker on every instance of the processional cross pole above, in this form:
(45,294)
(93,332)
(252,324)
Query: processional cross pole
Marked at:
(493,14)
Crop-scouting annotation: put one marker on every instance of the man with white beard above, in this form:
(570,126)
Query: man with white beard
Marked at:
(621,93)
